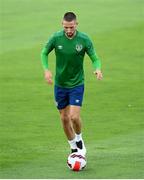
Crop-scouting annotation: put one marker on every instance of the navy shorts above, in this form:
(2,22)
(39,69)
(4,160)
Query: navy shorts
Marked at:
(68,96)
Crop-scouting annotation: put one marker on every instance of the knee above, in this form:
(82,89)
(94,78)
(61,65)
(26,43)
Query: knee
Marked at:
(65,118)
(74,117)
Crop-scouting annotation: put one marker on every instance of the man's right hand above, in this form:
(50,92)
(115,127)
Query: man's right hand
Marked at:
(48,77)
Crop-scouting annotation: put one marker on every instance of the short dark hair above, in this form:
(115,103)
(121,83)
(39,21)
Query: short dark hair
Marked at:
(69,16)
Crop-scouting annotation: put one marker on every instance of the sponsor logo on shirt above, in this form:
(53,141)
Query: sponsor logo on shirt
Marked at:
(60,46)
(79,47)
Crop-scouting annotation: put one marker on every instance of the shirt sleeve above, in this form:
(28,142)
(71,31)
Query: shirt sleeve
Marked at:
(46,50)
(89,47)
(96,62)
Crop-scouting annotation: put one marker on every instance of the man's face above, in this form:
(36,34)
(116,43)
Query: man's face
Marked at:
(69,27)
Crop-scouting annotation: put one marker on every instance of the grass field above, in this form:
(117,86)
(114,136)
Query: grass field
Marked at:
(32,142)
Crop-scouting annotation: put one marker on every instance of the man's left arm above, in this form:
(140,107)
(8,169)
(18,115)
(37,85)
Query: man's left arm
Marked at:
(96,62)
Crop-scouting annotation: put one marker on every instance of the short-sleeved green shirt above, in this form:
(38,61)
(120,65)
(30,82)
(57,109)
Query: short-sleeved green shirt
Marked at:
(69,57)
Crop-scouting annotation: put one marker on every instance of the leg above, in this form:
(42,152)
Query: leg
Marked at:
(71,121)
(62,101)
(67,123)
(76,121)
(74,112)
(75,101)
(68,128)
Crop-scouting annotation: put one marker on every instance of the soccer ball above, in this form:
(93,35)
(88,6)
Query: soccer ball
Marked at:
(76,161)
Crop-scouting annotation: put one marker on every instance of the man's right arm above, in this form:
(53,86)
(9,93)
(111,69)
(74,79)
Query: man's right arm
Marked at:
(44,59)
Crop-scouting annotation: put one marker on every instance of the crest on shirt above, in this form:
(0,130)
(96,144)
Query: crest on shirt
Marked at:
(79,47)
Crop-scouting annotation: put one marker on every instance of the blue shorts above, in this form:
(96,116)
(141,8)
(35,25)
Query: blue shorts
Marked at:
(68,96)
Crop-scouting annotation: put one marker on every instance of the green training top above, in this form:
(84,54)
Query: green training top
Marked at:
(69,57)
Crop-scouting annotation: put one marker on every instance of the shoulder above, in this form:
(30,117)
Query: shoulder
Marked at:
(57,34)
(83,35)
(53,37)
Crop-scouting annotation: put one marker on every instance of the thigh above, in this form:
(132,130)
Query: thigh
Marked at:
(74,111)
(61,97)
(65,112)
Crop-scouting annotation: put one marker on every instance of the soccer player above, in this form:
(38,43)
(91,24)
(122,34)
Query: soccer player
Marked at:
(70,47)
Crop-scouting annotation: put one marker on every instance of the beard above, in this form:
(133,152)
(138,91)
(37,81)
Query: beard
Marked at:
(70,34)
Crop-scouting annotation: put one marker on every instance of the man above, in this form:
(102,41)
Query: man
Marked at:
(70,47)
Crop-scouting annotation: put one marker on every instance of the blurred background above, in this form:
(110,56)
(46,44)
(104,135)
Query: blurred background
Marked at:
(32,142)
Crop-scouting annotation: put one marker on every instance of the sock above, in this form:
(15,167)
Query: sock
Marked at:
(79,137)
(72,143)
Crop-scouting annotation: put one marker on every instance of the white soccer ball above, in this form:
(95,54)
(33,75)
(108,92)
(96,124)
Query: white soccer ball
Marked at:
(76,161)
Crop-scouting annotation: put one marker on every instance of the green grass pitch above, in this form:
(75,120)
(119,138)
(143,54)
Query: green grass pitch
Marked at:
(32,142)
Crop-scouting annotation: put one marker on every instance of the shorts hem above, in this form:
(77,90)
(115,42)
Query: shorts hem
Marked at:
(75,104)
(60,108)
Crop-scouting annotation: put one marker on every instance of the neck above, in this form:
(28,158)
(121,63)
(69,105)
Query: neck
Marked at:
(71,36)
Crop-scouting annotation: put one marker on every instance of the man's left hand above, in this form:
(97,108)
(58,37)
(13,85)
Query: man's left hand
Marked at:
(98,74)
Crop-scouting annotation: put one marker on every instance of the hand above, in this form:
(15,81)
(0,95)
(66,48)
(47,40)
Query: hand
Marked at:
(98,74)
(48,77)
